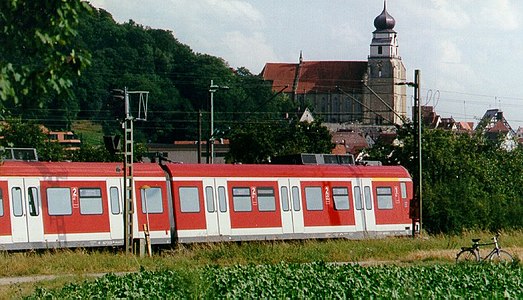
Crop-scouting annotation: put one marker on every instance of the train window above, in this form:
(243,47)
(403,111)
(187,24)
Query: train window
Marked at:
(357,198)
(313,198)
(18,209)
(59,201)
(403,187)
(284,198)
(222,199)
(189,199)
(296,198)
(34,201)
(209,195)
(341,198)
(241,199)
(1,203)
(368,199)
(266,199)
(384,195)
(91,201)
(115,200)
(151,200)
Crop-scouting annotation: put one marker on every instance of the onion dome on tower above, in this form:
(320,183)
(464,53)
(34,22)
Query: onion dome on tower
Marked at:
(384,21)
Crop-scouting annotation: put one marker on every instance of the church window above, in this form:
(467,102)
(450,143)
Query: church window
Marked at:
(380,50)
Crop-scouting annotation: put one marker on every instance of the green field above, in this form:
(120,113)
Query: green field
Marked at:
(302,281)
(394,267)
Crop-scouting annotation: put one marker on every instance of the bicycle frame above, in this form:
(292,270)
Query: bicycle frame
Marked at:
(476,245)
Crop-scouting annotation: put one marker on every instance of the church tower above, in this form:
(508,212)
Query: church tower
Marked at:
(386,101)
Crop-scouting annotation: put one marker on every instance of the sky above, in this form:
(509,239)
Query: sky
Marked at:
(468,52)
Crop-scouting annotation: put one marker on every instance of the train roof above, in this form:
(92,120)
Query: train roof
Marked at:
(115,169)
(248,170)
(67,169)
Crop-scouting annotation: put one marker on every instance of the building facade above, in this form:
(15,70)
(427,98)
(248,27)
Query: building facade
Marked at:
(356,92)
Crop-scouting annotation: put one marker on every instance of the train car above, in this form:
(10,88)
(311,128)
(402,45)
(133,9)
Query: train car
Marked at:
(266,202)
(65,204)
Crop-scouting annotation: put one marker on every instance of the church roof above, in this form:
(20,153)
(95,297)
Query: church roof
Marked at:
(316,76)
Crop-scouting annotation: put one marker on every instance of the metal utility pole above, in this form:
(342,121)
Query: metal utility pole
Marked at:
(213,88)
(419,136)
(199,136)
(128,176)
(210,146)
(128,152)
(416,118)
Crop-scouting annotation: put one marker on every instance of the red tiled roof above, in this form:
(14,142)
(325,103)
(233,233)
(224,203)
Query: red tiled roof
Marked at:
(467,126)
(352,141)
(316,76)
(499,127)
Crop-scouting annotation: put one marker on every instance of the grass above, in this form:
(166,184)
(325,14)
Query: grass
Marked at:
(88,132)
(76,265)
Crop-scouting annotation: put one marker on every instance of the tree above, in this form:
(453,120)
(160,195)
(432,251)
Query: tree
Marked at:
(259,142)
(38,54)
(18,134)
(469,182)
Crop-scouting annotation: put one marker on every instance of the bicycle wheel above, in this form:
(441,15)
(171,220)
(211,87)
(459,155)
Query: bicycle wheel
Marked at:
(467,256)
(501,256)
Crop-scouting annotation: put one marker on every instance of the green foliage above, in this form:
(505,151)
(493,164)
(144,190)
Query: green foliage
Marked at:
(18,134)
(258,142)
(38,50)
(48,61)
(468,181)
(140,58)
(142,285)
(304,281)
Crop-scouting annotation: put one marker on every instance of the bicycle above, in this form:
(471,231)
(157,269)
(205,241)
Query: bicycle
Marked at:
(471,254)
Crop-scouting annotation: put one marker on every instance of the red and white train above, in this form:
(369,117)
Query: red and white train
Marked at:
(67,204)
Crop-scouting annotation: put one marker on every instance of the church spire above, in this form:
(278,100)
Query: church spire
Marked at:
(384,21)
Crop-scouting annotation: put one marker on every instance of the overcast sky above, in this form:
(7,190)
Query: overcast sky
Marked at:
(469,52)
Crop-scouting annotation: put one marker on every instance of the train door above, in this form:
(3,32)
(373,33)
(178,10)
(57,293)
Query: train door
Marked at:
(365,218)
(211,207)
(115,192)
(26,211)
(224,220)
(285,204)
(297,212)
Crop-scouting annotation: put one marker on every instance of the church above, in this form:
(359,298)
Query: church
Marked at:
(349,92)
